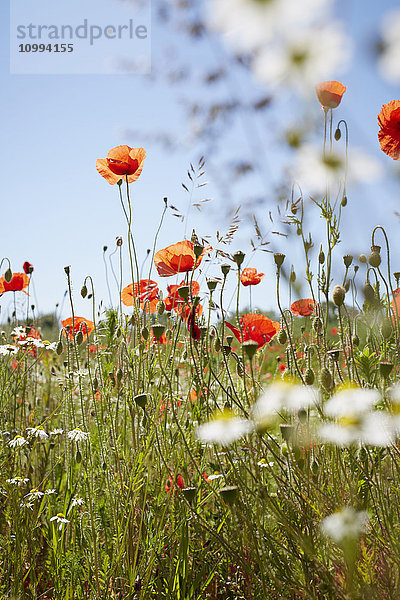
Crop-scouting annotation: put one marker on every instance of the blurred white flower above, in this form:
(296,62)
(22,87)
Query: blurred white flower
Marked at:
(371,429)
(8,349)
(351,402)
(224,429)
(303,58)
(282,396)
(77,435)
(314,171)
(57,432)
(345,526)
(51,491)
(389,60)
(250,24)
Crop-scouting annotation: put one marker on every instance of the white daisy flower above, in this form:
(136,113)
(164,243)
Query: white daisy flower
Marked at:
(282,396)
(17,442)
(18,481)
(34,494)
(77,435)
(345,526)
(214,476)
(60,518)
(77,501)
(351,402)
(37,432)
(51,491)
(376,428)
(57,432)
(224,429)
(8,349)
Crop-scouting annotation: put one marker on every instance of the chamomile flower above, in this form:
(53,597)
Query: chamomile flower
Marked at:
(37,432)
(60,518)
(345,526)
(8,349)
(57,431)
(282,397)
(77,501)
(17,442)
(34,494)
(224,429)
(77,435)
(17,481)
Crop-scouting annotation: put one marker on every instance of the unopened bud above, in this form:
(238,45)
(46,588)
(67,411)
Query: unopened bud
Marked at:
(79,338)
(309,376)
(321,257)
(374,258)
(84,291)
(386,329)
(338,295)
(325,379)
(368,292)
(338,134)
(8,275)
(282,336)
(118,241)
(59,348)
(344,201)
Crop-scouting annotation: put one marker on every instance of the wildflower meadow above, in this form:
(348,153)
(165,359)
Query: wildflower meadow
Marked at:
(222,431)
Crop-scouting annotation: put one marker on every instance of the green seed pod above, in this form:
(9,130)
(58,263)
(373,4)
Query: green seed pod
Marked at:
(287,431)
(362,258)
(78,456)
(226,349)
(79,338)
(59,348)
(158,330)
(211,284)
(250,347)
(347,259)
(356,340)
(189,493)
(338,134)
(386,329)
(282,337)
(229,494)
(368,292)
(321,257)
(96,383)
(217,345)
(145,333)
(325,379)
(238,257)
(225,269)
(317,324)
(229,339)
(161,307)
(338,295)
(84,291)
(183,292)
(292,276)
(8,275)
(141,400)
(344,201)
(279,258)
(385,368)
(375,257)
(309,376)
(198,249)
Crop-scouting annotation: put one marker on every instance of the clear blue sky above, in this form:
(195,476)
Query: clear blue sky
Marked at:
(57,210)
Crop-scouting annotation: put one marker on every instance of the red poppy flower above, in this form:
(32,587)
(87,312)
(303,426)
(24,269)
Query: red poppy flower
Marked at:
(27,267)
(172,483)
(251,277)
(174,301)
(389,133)
(73,325)
(122,162)
(146,292)
(178,258)
(330,93)
(256,327)
(19,281)
(303,308)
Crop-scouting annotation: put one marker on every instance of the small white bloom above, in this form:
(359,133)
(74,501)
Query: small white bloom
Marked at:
(376,428)
(57,432)
(17,442)
(18,481)
(77,501)
(8,349)
(37,432)
(51,491)
(77,435)
(26,505)
(264,464)
(345,526)
(60,518)
(224,429)
(34,494)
